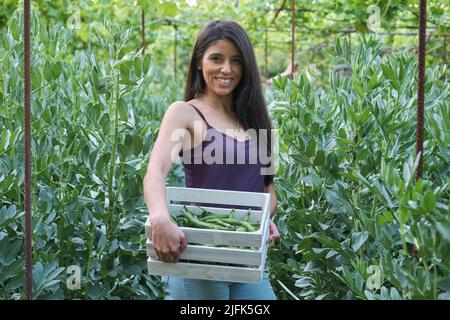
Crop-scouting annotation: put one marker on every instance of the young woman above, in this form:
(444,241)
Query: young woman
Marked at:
(222,110)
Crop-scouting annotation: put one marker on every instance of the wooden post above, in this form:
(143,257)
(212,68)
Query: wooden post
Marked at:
(27,150)
(421,86)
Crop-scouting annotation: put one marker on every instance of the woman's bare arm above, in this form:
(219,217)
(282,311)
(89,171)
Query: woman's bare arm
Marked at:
(168,239)
(273,198)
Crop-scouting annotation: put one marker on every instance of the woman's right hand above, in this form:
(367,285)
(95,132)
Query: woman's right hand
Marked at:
(168,239)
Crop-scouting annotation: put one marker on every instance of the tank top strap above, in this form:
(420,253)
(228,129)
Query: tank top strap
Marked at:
(201,115)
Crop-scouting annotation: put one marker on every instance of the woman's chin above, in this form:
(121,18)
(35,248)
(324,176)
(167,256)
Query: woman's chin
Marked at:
(223,91)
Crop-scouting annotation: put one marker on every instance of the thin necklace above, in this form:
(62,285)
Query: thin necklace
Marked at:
(238,124)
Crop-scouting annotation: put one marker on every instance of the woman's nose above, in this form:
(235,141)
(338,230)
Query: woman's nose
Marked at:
(226,67)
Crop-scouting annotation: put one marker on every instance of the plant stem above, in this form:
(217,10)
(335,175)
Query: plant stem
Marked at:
(88,267)
(402,232)
(113,155)
(435,283)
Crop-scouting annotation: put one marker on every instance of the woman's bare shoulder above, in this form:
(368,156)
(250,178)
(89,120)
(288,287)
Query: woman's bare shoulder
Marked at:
(180,110)
(179,105)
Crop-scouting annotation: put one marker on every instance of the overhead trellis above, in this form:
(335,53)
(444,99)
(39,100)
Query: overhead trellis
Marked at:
(168,21)
(306,33)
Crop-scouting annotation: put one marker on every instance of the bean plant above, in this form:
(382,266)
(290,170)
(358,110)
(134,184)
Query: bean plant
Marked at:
(94,120)
(355,223)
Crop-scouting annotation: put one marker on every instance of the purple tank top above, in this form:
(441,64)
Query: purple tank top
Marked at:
(222,162)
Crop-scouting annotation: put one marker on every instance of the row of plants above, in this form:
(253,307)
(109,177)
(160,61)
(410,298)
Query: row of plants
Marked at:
(94,122)
(354,222)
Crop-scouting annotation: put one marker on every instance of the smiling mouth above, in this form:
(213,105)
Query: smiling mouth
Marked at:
(224,81)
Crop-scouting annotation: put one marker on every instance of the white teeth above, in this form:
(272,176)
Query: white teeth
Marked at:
(224,81)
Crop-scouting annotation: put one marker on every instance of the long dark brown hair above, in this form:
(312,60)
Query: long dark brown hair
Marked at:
(249,105)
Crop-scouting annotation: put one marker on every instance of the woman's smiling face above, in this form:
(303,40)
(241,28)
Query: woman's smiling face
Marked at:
(222,67)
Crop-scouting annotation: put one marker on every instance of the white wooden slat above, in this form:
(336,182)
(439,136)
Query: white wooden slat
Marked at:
(148,228)
(216,237)
(254,217)
(265,245)
(219,237)
(215,254)
(205,271)
(251,199)
(265,223)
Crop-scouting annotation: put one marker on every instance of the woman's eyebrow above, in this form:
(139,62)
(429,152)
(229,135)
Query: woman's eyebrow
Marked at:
(221,55)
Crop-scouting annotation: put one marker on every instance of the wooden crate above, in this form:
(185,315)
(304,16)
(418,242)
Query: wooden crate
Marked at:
(248,263)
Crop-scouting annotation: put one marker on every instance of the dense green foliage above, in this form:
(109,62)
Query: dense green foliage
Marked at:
(94,122)
(350,203)
(350,209)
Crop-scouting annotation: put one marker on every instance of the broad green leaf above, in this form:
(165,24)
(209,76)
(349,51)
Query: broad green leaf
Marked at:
(319,160)
(36,78)
(14,28)
(4,141)
(338,202)
(311,148)
(96,179)
(123,151)
(124,73)
(137,145)
(123,113)
(9,250)
(57,69)
(85,156)
(302,159)
(48,73)
(146,63)
(429,201)
(43,34)
(358,239)
(105,123)
(390,74)
(137,67)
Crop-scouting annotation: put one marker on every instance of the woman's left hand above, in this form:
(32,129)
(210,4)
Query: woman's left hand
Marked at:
(274,234)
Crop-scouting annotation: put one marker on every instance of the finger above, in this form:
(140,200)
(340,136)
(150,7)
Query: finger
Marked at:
(157,253)
(176,252)
(183,244)
(273,239)
(166,256)
(176,255)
